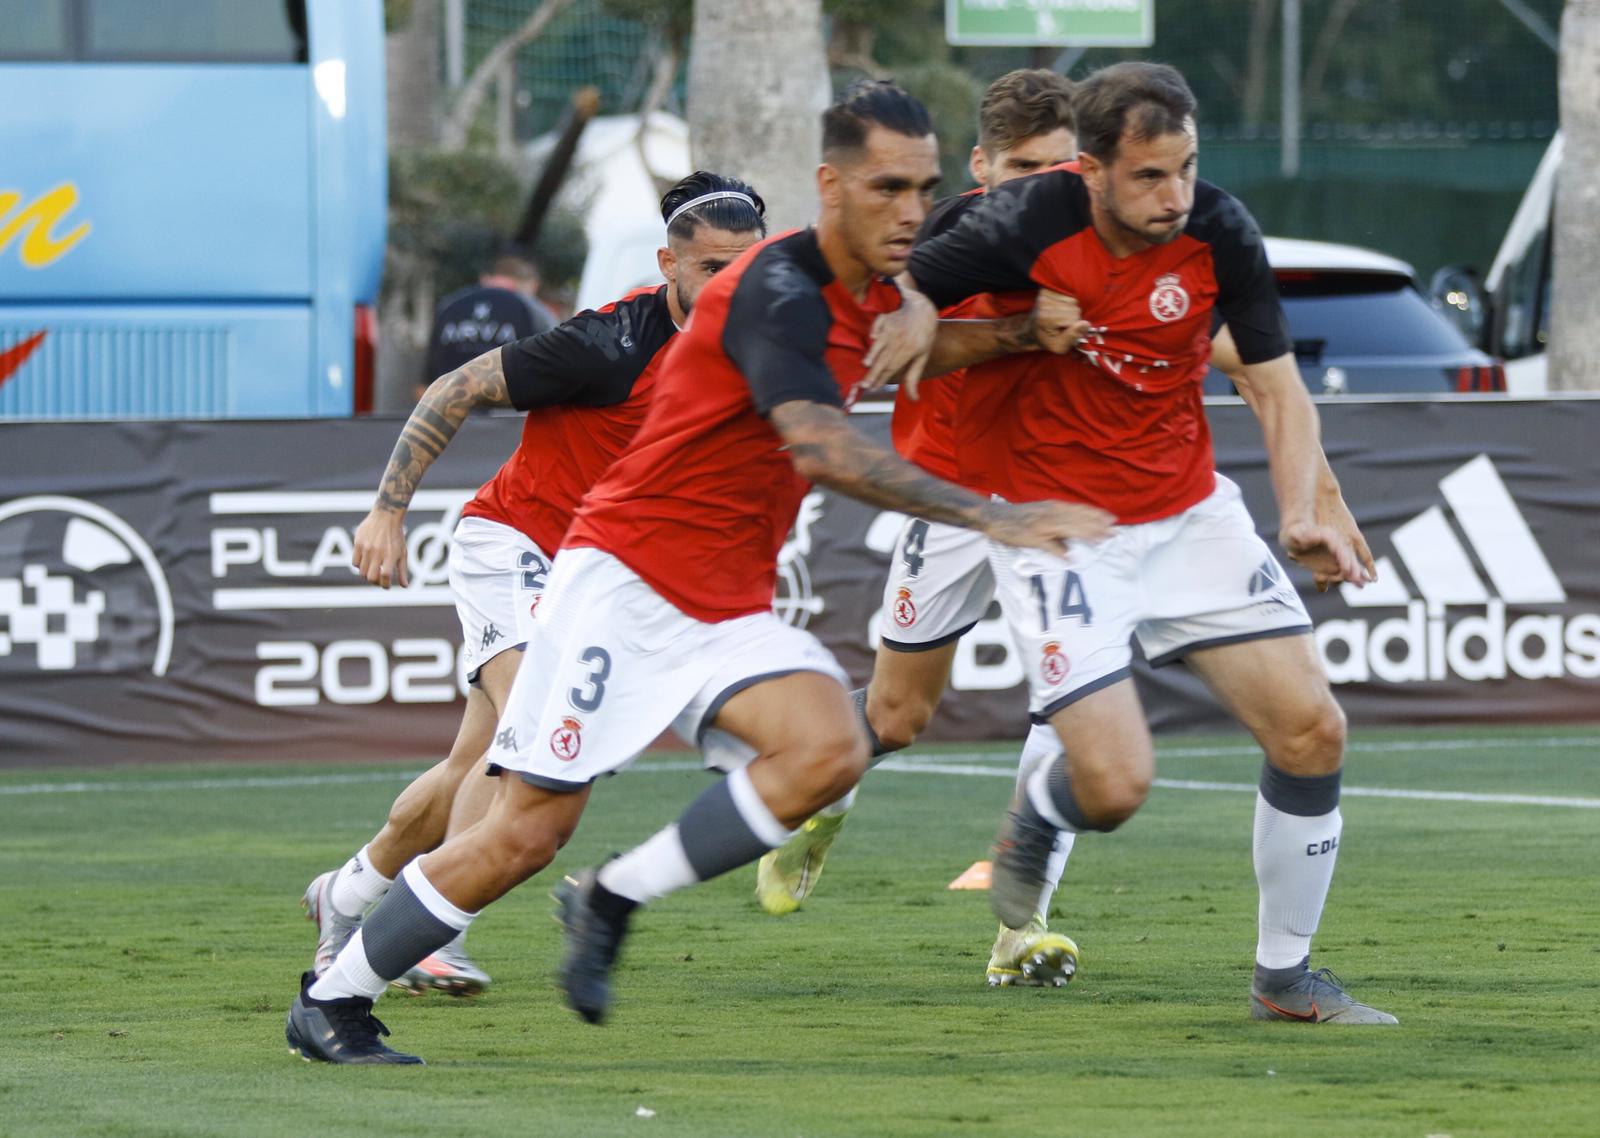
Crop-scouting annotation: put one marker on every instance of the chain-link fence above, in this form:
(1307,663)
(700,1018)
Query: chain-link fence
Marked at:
(585,46)
(1446,107)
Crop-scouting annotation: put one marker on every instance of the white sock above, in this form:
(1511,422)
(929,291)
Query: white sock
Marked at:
(727,826)
(352,974)
(1056,866)
(357,886)
(842,806)
(1041,744)
(651,870)
(1294,858)
(349,975)
(1038,790)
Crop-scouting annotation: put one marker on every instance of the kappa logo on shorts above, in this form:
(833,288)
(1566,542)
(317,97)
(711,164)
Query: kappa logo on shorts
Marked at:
(566,741)
(1169,301)
(507,739)
(491,634)
(1055,665)
(1268,579)
(905,612)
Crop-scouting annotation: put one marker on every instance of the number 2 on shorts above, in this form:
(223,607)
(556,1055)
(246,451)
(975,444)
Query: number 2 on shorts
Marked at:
(1074,601)
(916,539)
(589,700)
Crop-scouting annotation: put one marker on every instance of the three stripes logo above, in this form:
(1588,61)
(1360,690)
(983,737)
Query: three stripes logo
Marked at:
(1486,560)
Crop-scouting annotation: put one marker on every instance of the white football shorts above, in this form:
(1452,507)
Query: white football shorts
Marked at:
(497,574)
(612,665)
(1199,579)
(940,585)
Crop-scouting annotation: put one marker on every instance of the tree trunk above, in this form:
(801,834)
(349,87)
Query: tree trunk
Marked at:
(412,58)
(1574,330)
(1262,17)
(758,84)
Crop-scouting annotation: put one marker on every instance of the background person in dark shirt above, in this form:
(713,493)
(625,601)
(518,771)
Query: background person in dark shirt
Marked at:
(502,308)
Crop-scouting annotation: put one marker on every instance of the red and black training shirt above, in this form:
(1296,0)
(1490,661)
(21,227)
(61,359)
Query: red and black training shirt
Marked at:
(586,385)
(1119,423)
(700,504)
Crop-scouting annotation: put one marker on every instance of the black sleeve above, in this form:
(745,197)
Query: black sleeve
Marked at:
(1247,293)
(777,333)
(997,239)
(591,360)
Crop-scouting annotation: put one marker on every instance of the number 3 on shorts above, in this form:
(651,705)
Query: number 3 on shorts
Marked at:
(600,660)
(1074,601)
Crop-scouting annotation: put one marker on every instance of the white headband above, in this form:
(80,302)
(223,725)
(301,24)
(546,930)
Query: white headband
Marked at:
(718,195)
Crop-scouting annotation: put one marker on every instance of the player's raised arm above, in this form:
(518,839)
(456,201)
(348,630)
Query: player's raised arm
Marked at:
(994,246)
(588,360)
(826,449)
(1314,525)
(380,539)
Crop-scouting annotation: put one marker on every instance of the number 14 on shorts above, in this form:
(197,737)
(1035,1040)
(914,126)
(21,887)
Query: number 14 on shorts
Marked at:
(1074,601)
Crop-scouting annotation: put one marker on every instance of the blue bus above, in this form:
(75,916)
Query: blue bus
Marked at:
(192,207)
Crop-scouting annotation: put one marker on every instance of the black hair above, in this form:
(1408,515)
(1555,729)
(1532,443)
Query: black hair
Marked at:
(730,214)
(872,102)
(1146,99)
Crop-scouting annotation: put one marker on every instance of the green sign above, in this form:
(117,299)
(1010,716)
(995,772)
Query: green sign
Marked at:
(1067,23)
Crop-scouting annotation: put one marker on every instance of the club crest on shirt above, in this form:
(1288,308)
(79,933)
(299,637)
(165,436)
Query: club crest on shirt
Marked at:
(1055,665)
(567,740)
(1168,300)
(905,613)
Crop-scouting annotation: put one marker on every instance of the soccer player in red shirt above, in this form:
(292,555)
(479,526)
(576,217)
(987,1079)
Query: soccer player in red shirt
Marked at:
(1152,256)
(585,386)
(658,611)
(939,585)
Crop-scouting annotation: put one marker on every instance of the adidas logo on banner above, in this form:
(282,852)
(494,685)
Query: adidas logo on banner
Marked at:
(1433,642)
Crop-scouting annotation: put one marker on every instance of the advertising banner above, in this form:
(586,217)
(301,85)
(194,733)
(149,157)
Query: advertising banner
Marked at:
(184,590)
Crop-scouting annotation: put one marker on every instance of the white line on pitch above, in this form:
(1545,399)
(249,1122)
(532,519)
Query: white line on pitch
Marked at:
(914,766)
(1542,742)
(942,765)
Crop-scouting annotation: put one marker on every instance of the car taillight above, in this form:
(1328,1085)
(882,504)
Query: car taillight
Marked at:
(366,358)
(1481,379)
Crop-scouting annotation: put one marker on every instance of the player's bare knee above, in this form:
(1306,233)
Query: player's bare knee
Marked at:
(528,849)
(1315,746)
(834,763)
(897,721)
(1108,803)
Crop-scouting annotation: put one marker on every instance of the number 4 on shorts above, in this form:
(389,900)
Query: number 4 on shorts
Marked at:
(1074,601)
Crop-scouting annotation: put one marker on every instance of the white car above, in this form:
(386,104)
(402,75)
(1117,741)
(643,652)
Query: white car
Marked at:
(1361,326)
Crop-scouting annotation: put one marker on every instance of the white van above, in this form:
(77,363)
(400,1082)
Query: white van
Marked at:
(1508,315)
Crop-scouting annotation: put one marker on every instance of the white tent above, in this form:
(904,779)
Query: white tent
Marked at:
(611,187)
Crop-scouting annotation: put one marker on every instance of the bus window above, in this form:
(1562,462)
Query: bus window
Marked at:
(150,31)
(34,29)
(231,31)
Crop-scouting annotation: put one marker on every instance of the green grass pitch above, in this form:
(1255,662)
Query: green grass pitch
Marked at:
(153,941)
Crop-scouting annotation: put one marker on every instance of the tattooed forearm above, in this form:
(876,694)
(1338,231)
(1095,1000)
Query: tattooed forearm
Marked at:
(827,450)
(435,421)
(962,343)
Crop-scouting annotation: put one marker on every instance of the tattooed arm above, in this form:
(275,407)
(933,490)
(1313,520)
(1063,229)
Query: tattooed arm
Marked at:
(826,449)
(380,542)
